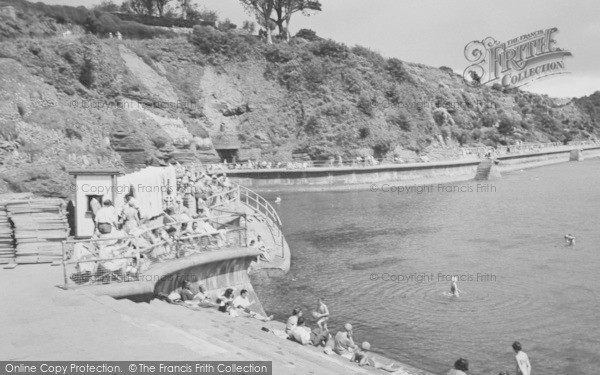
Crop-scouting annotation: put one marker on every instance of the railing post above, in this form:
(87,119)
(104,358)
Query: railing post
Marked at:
(64,263)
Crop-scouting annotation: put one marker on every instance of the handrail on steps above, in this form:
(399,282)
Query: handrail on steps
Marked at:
(256,203)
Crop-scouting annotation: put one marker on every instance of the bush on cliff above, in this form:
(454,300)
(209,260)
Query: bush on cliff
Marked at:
(280,53)
(396,69)
(505,126)
(211,41)
(366,105)
(307,34)
(401,120)
(329,48)
(8,130)
(377,61)
(86,77)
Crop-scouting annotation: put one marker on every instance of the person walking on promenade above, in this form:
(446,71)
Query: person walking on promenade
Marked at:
(523,365)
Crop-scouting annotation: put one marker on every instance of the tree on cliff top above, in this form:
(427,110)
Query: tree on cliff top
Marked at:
(284,9)
(186,8)
(160,6)
(107,6)
(262,9)
(138,6)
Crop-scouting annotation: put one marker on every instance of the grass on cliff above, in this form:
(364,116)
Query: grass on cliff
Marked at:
(34,16)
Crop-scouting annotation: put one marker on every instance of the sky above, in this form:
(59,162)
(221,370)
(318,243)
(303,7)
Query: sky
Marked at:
(435,32)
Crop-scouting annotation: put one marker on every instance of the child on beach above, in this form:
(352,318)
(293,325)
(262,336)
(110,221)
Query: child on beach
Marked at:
(322,313)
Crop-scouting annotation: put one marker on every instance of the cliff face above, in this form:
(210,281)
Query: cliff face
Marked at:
(73,101)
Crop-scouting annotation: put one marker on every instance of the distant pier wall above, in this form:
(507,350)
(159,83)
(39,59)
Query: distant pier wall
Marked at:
(516,162)
(340,177)
(348,178)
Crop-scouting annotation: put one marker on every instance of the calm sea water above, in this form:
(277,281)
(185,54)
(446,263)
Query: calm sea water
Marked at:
(531,287)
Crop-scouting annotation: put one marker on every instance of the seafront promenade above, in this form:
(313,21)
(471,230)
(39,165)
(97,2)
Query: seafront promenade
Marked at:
(362,176)
(44,322)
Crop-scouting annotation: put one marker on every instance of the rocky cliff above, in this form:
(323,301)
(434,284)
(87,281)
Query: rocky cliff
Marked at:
(71,101)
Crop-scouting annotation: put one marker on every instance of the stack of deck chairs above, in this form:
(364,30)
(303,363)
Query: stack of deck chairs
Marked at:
(7,239)
(40,226)
(7,246)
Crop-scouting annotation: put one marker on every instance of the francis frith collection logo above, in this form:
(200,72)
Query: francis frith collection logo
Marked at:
(516,62)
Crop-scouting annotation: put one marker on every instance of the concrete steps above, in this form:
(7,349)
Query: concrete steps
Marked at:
(487,170)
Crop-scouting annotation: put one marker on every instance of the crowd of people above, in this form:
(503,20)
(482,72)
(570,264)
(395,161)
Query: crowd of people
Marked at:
(344,344)
(195,296)
(132,241)
(295,165)
(341,343)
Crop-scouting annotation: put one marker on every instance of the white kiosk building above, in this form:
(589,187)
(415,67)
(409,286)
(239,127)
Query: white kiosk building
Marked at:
(91,184)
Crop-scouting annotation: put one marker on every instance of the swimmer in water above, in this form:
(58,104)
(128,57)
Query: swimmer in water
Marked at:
(570,239)
(453,287)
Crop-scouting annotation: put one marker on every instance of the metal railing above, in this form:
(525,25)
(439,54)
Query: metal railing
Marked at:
(256,203)
(90,261)
(261,206)
(93,262)
(223,198)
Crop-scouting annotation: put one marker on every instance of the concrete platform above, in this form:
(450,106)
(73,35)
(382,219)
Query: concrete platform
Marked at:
(41,321)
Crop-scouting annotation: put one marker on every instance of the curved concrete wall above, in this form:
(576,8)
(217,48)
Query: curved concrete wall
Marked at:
(216,271)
